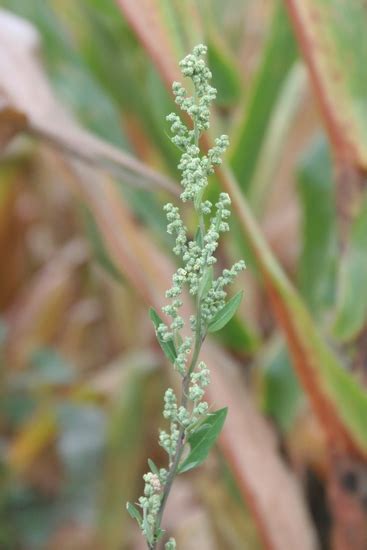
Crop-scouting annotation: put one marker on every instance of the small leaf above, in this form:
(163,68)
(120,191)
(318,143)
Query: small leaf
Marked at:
(198,199)
(205,283)
(153,467)
(168,347)
(134,512)
(159,533)
(226,313)
(203,440)
(199,237)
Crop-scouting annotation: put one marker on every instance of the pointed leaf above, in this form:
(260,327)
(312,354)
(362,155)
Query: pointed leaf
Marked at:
(351,313)
(278,57)
(199,237)
(317,266)
(205,283)
(225,74)
(168,347)
(226,313)
(134,512)
(153,467)
(98,246)
(281,395)
(203,440)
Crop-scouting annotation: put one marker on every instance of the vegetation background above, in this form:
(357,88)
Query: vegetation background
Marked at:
(85,167)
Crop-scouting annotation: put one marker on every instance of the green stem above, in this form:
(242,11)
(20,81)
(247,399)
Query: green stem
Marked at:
(182,435)
(199,338)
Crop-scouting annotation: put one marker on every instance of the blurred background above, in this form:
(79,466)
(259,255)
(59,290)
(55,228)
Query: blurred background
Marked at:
(86,165)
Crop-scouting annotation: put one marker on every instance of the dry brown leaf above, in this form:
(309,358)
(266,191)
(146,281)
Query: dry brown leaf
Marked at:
(25,89)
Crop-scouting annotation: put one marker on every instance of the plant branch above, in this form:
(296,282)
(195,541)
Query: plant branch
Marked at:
(182,436)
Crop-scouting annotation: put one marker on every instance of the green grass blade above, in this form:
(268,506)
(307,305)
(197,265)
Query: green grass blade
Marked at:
(278,57)
(317,265)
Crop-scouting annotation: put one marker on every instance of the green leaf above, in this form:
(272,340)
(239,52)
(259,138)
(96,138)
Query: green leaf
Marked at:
(132,408)
(98,246)
(153,467)
(199,237)
(277,59)
(239,336)
(136,87)
(351,311)
(203,439)
(284,114)
(159,533)
(281,392)
(134,512)
(317,266)
(168,347)
(205,283)
(226,313)
(225,74)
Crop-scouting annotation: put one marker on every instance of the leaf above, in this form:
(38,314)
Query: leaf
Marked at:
(277,59)
(333,39)
(98,246)
(133,409)
(239,336)
(205,283)
(226,313)
(156,39)
(203,439)
(134,512)
(351,310)
(168,347)
(226,78)
(12,122)
(135,87)
(153,467)
(317,264)
(282,395)
(44,303)
(291,98)
(199,237)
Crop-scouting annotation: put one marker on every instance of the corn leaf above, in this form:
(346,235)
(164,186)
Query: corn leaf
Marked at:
(351,310)
(278,57)
(317,265)
(333,39)
(225,72)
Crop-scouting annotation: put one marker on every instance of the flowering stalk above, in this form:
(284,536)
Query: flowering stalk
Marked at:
(192,429)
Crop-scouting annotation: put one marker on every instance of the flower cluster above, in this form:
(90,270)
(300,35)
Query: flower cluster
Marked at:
(196,274)
(151,501)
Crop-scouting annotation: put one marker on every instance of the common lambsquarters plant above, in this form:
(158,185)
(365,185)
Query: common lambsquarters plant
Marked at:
(192,428)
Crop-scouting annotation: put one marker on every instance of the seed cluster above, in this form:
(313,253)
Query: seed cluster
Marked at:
(194,273)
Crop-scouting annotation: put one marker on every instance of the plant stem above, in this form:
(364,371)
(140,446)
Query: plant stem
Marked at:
(181,437)
(199,338)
